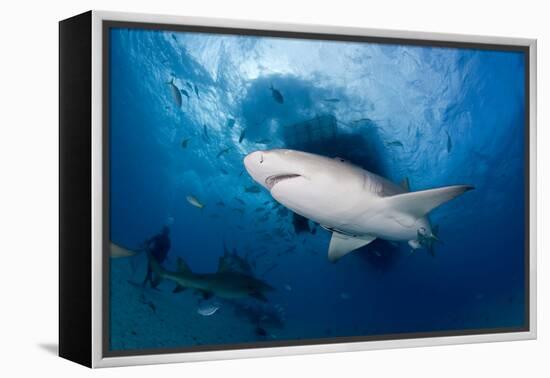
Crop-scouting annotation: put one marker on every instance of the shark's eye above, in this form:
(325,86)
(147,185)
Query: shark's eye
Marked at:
(261,158)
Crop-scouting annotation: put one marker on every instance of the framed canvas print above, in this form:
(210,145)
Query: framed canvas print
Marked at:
(234,189)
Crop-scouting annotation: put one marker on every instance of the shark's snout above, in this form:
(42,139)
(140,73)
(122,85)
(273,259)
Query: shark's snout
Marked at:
(252,160)
(258,166)
(268,168)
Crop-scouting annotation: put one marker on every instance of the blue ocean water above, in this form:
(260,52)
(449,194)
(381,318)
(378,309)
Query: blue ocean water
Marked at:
(437,116)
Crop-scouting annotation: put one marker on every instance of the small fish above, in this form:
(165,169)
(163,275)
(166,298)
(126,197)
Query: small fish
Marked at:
(189,85)
(205,133)
(266,203)
(277,96)
(449,143)
(194,201)
(252,189)
(223,151)
(240,174)
(377,253)
(395,143)
(263,141)
(243,134)
(238,210)
(174,38)
(196,90)
(185,93)
(176,95)
(208,309)
(288,287)
(239,200)
(332,100)
(230,123)
(224,171)
(185,143)
(220,203)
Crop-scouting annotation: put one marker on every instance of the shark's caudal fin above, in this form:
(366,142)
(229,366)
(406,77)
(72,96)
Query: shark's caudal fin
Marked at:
(422,202)
(118,251)
(341,245)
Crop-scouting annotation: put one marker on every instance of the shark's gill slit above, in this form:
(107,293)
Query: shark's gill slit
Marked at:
(272,180)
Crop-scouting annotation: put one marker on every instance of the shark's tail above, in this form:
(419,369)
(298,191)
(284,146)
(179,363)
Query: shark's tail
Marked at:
(118,251)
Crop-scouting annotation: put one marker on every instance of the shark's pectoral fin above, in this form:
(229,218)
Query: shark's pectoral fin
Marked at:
(178,289)
(341,245)
(420,203)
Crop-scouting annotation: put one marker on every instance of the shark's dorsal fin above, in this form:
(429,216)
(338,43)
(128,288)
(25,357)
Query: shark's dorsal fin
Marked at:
(182,266)
(420,203)
(222,265)
(405,184)
(341,245)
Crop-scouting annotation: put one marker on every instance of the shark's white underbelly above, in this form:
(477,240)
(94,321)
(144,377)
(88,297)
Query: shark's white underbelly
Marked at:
(383,225)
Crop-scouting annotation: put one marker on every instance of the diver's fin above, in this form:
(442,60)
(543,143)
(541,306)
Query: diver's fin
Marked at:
(422,202)
(341,245)
(259,296)
(182,266)
(405,184)
(178,289)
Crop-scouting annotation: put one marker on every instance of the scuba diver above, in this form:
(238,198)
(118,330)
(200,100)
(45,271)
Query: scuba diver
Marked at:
(158,246)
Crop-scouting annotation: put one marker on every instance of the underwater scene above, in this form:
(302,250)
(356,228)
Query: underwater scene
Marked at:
(270,191)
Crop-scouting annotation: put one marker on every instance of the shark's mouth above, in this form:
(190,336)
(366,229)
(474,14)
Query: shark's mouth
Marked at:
(272,180)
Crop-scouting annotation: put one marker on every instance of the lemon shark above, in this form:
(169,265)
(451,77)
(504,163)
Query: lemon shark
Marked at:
(224,283)
(357,206)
